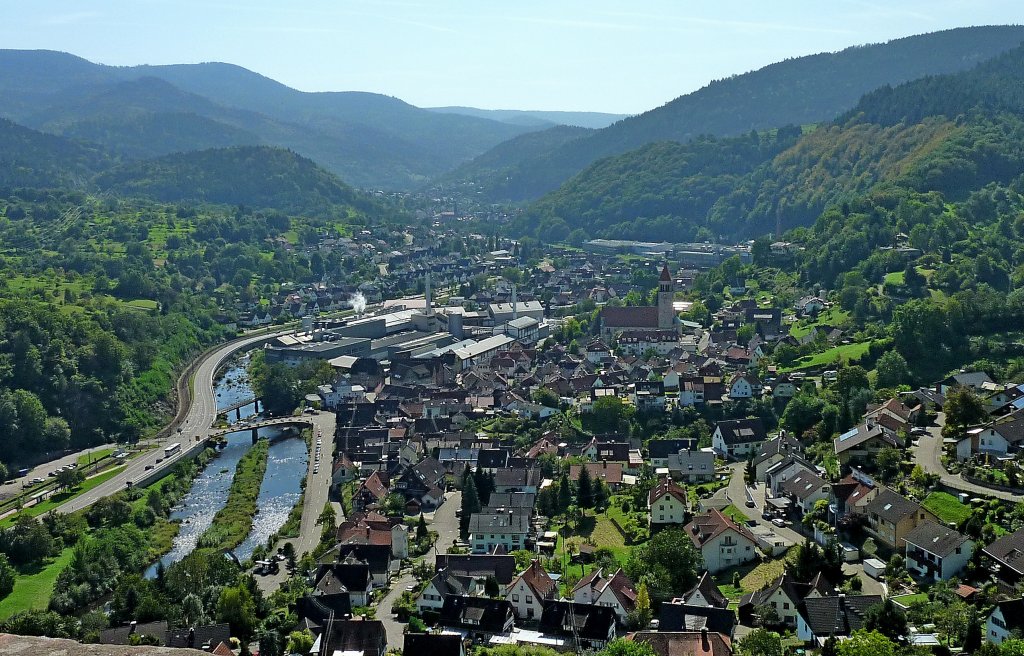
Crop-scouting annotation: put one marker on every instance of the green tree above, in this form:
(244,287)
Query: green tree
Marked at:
(750,472)
(668,563)
(608,414)
(849,379)
(470,506)
(867,643)
(888,619)
(584,489)
(237,607)
(892,370)
(618,647)
(802,412)
(69,478)
(642,613)
(564,493)
(7,576)
(888,462)
(421,528)
(300,642)
(963,408)
(761,642)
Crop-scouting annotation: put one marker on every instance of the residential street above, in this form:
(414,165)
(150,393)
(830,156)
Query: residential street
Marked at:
(736,493)
(314,500)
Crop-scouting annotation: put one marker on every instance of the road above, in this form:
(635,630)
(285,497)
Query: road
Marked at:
(444,521)
(736,493)
(928,454)
(201,414)
(315,498)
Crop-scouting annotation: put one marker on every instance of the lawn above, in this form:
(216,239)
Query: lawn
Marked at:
(753,576)
(94,456)
(844,353)
(34,590)
(894,277)
(63,497)
(908,599)
(834,316)
(947,508)
(735,513)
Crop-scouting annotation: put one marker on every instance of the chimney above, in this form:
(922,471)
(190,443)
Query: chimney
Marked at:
(429,307)
(515,309)
(367,532)
(705,645)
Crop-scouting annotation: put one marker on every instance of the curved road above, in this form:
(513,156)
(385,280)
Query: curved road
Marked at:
(201,414)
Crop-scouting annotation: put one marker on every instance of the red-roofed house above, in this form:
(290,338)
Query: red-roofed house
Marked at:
(721,541)
(609,472)
(667,504)
(616,591)
(529,591)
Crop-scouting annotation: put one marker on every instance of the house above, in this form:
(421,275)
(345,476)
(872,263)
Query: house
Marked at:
(785,469)
(675,616)
(999,438)
(1007,555)
(658,451)
(1005,621)
(686,643)
(852,494)
(774,451)
(616,592)
(423,483)
(784,387)
(839,616)
(501,567)
(517,479)
(862,443)
(809,306)
(371,491)
(704,593)
(608,472)
(721,541)
(435,644)
(805,489)
(692,466)
(744,386)
(667,504)
(374,529)
(974,380)
(530,591)
(507,529)
(446,584)
(783,595)
(935,552)
(890,518)
(591,625)
(479,617)
(351,577)
(738,438)
(355,637)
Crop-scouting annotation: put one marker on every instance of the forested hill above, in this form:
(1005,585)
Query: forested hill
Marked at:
(796,91)
(256,176)
(964,131)
(32,159)
(369,139)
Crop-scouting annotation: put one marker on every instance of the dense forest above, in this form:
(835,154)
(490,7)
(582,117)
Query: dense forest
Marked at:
(970,137)
(796,91)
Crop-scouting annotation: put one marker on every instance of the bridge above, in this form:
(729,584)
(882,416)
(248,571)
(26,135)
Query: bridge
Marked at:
(237,407)
(303,422)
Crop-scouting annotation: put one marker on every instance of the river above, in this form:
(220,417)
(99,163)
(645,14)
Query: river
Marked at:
(280,490)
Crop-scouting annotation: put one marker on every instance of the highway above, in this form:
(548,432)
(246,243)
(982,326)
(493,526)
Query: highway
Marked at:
(200,415)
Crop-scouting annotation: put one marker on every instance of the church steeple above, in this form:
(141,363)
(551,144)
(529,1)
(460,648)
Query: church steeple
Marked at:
(666,296)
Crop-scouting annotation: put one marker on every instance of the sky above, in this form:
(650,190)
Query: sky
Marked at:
(624,56)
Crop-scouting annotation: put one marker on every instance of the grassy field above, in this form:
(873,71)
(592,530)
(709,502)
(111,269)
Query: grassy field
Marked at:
(33,590)
(907,600)
(753,576)
(94,456)
(894,278)
(735,513)
(947,508)
(844,353)
(63,497)
(834,316)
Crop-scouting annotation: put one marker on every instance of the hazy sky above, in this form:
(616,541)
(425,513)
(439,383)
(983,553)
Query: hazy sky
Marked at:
(621,56)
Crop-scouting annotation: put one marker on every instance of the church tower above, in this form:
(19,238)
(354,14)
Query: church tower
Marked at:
(666,295)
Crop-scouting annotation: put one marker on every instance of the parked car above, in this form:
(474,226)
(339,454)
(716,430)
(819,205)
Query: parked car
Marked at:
(781,523)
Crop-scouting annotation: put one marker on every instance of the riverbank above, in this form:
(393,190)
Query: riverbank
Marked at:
(232,523)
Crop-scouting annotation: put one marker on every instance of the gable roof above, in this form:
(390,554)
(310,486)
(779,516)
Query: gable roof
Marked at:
(618,583)
(892,507)
(588,621)
(838,616)
(667,486)
(686,643)
(742,431)
(1008,551)
(537,579)
(1012,611)
(936,538)
(630,317)
(501,567)
(708,589)
(436,644)
(476,613)
(694,617)
(711,524)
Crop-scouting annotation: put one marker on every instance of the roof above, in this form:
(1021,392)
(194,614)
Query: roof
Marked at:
(630,317)
(501,567)
(505,522)
(804,485)
(476,613)
(118,635)
(667,486)
(587,621)
(436,644)
(355,635)
(686,643)
(1009,551)
(666,276)
(537,579)
(795,590)
(862,433)
(663,448)
(839,616)
(742,431)
(936,538)
(694,617)
(609,472)
(199,637)
(708,589)
(783,444)
(710,525)
(619,584)
(892,507)
(1013,613)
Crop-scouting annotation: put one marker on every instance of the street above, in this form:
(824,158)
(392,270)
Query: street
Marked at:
(736,493)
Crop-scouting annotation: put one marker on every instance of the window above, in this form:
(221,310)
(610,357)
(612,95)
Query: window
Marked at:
(785,605)
(529,599)
(661,518)
(515,599)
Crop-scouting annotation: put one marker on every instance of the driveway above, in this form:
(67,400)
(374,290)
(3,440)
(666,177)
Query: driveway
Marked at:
(928,454)
(394,628)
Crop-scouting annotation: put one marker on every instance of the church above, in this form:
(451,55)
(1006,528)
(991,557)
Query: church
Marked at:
(660,317)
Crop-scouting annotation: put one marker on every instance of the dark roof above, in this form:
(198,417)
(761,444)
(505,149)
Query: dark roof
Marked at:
(516,477)
(708,589)
(512,500)
(742,431)
(688,617)
(367,636)
(502,568)
(936,538)
(783,444)
(591,622)
(630,317)
(316,611)
(505,521)
(891,507)
(199,637)
(662,448)
(435,644)
(492,458)
(476,613)
(1013,613)
(838,616)
(792,588)
(119,634)
(1008,551)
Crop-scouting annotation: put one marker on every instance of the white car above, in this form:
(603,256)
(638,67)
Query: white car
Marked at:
(781,523)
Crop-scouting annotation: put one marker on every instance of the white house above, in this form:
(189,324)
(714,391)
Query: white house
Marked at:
(935,552)
(721,541)
(445,584)
(738,438)
(529,591)
(667,504)
(1006,619)
(744,386)
(488,530)
(691,466)
(616,591)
